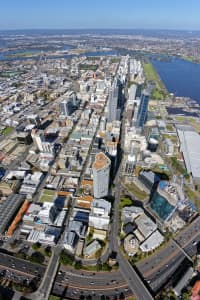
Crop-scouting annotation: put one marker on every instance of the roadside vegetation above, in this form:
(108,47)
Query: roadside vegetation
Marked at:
(193,195)
(7,130)
(68,260)
(125,201)
(178,167)
(136,191)
(52,297)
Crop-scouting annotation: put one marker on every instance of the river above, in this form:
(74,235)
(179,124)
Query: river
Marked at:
(180,77)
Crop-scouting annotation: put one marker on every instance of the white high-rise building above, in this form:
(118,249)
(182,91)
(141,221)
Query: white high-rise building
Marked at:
(39,141)
(38,138)
(101,175)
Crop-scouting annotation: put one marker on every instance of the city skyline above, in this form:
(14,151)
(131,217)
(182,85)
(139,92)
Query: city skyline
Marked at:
(180,15)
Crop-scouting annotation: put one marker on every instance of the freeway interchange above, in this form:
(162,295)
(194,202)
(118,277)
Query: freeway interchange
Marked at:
(156,271)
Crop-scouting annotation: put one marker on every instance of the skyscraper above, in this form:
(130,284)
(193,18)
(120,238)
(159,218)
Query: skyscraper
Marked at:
(39,141)
(101,175)
(66,107)
(115,101)
(143,109)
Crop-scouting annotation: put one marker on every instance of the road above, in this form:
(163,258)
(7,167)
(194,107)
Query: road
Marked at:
(160,267)
(135,283)
(93,284)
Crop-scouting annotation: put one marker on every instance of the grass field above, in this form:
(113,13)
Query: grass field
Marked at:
(7,130)
(125,201)
(47,196)
(139,194)
(51,297)
(49,192)
(193,195)
(159,92)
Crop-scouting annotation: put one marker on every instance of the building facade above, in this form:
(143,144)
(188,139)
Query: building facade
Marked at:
(101,175)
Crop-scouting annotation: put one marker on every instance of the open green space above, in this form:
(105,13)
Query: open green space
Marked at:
(52,297)
(136,191)
(171,137)
(7,130)
(87,67)
(47,196)
(190,121)
(178,167)
(125,201)
(159,92)
(49,192)
(191,59)
(22,54)
(193,196)
(170,127)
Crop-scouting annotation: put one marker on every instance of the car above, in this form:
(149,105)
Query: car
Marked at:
(91,282)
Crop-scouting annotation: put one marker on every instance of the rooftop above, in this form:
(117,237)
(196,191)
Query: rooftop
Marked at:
(101,161)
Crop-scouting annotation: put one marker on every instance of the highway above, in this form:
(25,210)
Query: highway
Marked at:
(21,265)
(70,282)
(158,268)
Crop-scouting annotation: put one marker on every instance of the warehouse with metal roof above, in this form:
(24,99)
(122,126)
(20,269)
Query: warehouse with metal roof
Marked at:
(8,209)
(190,147)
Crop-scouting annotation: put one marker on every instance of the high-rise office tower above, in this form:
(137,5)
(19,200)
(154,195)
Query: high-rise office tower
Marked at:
(115,101)
(39,141)
(143,110)
(66,107)
(101,175)
(38,138)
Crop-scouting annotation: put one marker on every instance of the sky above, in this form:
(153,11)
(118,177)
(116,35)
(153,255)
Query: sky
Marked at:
(81,14)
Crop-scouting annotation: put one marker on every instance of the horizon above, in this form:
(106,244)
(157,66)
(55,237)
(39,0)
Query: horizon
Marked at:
(131,14)
(99,28)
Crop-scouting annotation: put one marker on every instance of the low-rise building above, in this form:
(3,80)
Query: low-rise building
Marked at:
(152,242)
(99,217)
(92,248)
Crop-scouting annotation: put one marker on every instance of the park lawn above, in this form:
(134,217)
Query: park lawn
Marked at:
(136,191)
(49,192)
(159,92)
(46,198)
(170,127)
(193,196)
(87,67)
(51,297)
(173,138)
(125,201)
(47,195)
(7,130)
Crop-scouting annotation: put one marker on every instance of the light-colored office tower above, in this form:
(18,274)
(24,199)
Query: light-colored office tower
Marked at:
(39,141)
(38,138)
(101,175)
(113,113)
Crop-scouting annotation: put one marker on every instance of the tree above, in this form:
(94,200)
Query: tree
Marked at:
(37,257)
(106,267)
(65,258)
(36,246)
(98,253)
(48,251)
(78,265)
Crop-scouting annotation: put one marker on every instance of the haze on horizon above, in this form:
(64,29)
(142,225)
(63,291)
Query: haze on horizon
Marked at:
(112,14)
